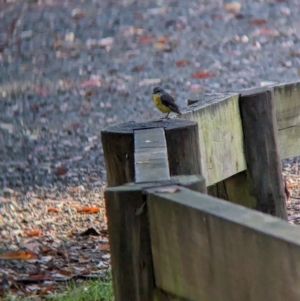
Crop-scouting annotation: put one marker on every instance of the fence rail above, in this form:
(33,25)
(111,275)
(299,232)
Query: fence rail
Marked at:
(169,239)
(220,127)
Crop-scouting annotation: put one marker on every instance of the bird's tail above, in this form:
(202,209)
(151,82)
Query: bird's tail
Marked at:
(175,109)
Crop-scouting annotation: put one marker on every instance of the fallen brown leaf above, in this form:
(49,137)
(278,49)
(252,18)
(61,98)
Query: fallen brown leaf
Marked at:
(71,233)
(291,185)
(60,171)
(46,289)
(161,42)
(65,272)
(52,210)
(257,21)
(182,63)
(62,275)
(103,232)
(89,209)
(202,74)
(35,232)
(33,278)
(104,246)
(83,259)
(18,255)
(145,39)
(88,93)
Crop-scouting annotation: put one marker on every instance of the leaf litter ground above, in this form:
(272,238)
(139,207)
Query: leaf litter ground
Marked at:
(43,248)
(70,68)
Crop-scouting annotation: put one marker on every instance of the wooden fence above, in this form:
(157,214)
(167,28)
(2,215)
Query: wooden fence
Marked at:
(169,239)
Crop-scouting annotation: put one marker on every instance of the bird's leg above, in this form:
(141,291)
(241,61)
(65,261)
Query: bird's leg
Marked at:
(167,116)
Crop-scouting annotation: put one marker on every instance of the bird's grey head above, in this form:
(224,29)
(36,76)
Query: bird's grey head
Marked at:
(157,90)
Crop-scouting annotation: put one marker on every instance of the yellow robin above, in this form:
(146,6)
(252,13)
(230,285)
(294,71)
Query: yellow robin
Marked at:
(164,101)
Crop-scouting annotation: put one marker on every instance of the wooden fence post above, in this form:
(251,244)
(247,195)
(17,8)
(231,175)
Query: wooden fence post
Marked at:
(182,144)
(183,149)
(261,152)
(129,237)
(126,208)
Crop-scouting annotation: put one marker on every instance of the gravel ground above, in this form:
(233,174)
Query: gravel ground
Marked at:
(70,68)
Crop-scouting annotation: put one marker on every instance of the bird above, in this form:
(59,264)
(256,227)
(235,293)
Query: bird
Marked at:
(164,101)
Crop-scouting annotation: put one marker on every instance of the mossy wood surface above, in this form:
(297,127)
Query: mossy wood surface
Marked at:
(221,134)
(204,248)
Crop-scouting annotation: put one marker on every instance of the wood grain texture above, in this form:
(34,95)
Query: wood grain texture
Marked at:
(220,131)
(195,183)
(235,189)
(289,142)
(160,295)
(118,148)
(150,155)
(129,240)
(128,229)
(287,103)
(220,135)
(204,248)
(183,150)
(261,152)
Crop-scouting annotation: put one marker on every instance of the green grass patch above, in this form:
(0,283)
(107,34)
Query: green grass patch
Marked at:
(92,290)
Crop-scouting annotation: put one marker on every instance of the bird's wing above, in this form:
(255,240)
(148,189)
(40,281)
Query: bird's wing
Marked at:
(169,102)
(167,98)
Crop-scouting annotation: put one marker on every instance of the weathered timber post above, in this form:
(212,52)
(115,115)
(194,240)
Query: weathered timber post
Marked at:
(126,207)
(235,189)
(182,147)
(261,151)
(129,237)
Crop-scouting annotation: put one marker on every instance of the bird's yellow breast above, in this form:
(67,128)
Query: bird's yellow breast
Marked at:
(159,105)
